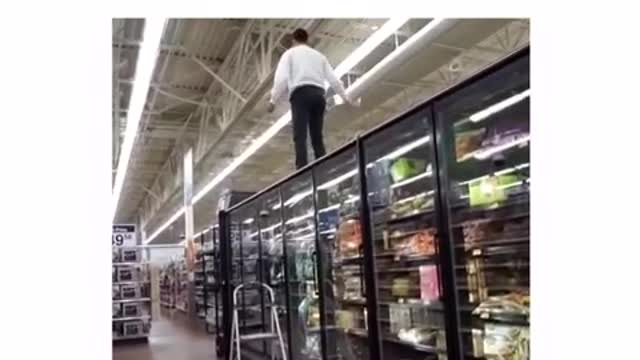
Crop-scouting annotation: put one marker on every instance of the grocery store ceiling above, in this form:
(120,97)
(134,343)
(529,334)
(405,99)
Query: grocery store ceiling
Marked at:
(209,93)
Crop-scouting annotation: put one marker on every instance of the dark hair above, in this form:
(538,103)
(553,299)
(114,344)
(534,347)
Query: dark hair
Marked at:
(300,35)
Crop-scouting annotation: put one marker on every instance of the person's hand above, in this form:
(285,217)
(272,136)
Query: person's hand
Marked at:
(271,107)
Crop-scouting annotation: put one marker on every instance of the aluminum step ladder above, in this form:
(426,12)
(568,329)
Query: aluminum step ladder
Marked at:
(273,334)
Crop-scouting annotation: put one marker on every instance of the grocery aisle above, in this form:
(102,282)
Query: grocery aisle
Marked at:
(172,337)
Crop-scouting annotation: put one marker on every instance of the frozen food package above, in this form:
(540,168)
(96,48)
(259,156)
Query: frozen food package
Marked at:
(506,342)
(491,190)
(399,317)
(400,287)
(350,237)
(405,168)
(467,142)
(429,283)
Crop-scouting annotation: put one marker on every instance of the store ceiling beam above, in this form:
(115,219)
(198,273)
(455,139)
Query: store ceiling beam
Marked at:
(235,63)
(221,80)
(174,96)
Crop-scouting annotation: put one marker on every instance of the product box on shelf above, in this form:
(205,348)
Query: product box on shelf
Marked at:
(429,284)
(128,273)
(116,310)
(115,292)
(131,309)
(132,328)
(130,255)
(130,291)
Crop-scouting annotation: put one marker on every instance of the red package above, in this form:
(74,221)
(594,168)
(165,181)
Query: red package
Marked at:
(429,283)
(350,236)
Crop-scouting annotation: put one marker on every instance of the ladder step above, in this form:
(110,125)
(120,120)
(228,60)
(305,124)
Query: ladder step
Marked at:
(258,336)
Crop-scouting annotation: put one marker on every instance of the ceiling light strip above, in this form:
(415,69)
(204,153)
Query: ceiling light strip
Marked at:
(153,30)
(356,56)
(497,107)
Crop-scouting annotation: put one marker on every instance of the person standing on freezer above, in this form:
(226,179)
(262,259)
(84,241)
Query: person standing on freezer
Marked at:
(302,73)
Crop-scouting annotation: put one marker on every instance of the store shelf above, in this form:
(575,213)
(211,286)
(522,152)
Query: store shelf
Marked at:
(391,339)
(129,263)
(406,218)
(142,282)
(131,337)
(121,301)
(146,317)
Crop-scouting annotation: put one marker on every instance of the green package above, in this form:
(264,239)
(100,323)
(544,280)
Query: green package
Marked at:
(491,190)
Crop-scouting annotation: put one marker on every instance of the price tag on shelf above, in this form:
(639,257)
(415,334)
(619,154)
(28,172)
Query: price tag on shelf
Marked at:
(123,235)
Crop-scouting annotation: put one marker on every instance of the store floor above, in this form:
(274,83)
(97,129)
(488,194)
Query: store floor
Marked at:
(172,337)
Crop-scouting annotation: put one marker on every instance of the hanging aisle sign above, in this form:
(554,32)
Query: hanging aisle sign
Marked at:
(123,235)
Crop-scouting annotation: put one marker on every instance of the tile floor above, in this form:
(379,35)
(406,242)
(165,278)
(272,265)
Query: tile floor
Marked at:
(172,338)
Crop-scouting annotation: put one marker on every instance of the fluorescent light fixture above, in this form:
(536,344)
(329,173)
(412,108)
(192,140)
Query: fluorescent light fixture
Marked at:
(248,221)
(411,198)
(407,44)
(165,225)
(497,107)
(412,180)
(153,30)
(338,180)
(485,154)
(297,198)
(405,149)
(300,218)
(498,173)
(352,199)
(299,231)
(329,208)
(377,38)
(372,42)
(273,227)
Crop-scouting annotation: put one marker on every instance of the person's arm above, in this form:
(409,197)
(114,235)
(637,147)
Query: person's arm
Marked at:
(335,82)
(280,79)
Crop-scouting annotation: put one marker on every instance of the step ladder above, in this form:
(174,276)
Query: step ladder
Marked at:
(273,334)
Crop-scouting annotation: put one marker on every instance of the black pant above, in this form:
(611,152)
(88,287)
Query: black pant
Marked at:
(307,110)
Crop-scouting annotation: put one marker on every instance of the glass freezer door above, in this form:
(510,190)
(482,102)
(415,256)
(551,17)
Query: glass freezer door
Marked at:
(272,259)
(302,282)
(340,241)
(486,138)
(402,201)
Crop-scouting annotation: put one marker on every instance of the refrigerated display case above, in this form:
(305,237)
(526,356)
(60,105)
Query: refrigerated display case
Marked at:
(302,278)
(341,264)
(411,242)
(400,163)
(485,152)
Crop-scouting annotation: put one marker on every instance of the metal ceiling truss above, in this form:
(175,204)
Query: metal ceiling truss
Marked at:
(232,93)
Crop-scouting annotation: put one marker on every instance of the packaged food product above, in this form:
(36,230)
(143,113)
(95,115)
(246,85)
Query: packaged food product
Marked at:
(405,168)
(467,142)
(353,288)
(345,319)
(513,304)
(420,243)
(477,338)
(505,342)
(399,317)
(418,336)
(429,283)
(350,237)
(400,287)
